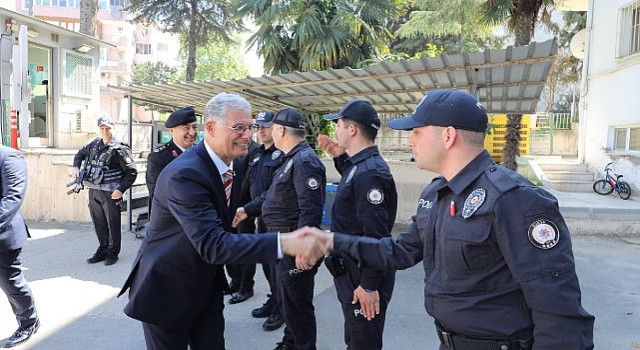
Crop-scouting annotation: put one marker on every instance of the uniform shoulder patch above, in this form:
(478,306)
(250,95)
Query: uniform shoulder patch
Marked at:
(313,183)
(375,196)
(544,234)
(161,148)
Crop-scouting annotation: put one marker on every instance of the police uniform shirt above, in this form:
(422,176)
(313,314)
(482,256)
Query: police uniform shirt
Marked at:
(262,165)
(365,203)
(158,160)
(121,159)
(497,258)
(296,196)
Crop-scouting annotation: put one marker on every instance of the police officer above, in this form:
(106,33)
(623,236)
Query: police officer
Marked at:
(499,268)
(184,131)
(263,163)
(365,205)
(110,170)
(294,199)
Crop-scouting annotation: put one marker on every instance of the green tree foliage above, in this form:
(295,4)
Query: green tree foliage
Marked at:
(304,35)
(154,73)
(451,25)
(218,61)
(200,21)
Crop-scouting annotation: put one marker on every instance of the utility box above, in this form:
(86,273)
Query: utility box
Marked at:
(494,141)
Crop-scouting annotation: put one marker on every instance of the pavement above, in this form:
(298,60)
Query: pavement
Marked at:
(78,307)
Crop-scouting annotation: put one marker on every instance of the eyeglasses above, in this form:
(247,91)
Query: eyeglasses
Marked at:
(240,129)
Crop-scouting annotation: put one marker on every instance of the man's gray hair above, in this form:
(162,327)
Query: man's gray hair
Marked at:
(301,133)
(220,104)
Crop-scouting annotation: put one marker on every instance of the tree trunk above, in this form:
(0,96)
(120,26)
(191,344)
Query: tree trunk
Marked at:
(192,44)
(512,142)
(88,13)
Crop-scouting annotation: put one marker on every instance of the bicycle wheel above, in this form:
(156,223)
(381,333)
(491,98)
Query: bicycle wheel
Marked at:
(602,187)
(624,190)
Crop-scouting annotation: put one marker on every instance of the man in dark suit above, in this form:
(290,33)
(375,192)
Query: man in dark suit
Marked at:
(177,281)
(184,131)
(13,236)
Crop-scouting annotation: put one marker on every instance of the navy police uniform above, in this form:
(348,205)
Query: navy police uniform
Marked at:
(109,167)
(497,258)
(365,205)
(294,199)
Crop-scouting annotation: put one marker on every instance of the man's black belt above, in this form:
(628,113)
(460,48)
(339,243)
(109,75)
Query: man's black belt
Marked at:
(282,229)
(456,341)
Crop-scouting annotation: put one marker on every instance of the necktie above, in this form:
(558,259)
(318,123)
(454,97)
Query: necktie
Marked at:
(228,182)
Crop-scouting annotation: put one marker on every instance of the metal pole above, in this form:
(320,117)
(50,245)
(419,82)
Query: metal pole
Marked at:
(130,195)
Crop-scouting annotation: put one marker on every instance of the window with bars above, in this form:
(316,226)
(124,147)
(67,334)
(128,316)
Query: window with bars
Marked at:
(629,29)
(626,139)
(78,75)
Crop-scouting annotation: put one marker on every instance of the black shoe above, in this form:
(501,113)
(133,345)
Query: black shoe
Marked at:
(282,346)
(264,311)
(272,323)
(96,258)
(111,259)
(232,289)
(22,335)
(241,296)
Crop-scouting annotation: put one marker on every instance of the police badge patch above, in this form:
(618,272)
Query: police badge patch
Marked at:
(275,154)
(312,183)
(544,234)
(473,202)
(375,196)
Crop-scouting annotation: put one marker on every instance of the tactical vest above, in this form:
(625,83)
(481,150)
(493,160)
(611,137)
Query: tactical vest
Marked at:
(98,172)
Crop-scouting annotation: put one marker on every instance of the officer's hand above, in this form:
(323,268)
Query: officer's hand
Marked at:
(330,145)
(75,172)
(240,215)
(369,302)
(116,194)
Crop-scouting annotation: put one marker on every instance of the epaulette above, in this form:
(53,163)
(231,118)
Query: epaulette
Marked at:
(161,147)
(500,178)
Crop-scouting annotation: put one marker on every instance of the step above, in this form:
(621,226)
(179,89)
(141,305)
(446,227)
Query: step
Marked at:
(569,176)
(573,167)
(570,186)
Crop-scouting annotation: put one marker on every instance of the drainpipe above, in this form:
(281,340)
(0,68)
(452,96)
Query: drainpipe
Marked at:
(584,87)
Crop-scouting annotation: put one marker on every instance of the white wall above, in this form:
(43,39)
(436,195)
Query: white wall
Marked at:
(612,96)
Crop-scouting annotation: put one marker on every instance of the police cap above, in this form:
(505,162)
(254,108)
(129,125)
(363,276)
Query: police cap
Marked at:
(360,111)
(181,116)
(291,118)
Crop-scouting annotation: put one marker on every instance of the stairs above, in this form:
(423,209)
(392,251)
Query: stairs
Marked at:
(566,176)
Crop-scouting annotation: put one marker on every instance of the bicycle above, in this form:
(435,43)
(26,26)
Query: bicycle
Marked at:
(612,182)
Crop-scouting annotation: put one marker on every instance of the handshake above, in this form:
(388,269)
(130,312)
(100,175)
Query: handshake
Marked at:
(307,244)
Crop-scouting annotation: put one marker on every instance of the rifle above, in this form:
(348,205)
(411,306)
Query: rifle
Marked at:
(78,182)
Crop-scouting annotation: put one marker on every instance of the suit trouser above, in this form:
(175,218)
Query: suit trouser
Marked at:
(360,333)
(205,333)
(14,285)
(105,214)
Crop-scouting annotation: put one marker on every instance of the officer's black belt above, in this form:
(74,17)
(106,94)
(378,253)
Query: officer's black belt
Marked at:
(282,229)
(455,341)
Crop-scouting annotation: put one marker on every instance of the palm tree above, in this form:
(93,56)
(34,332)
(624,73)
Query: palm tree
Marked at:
(303,35)
(521,17)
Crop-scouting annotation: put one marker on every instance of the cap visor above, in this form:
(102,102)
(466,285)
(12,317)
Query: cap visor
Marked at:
(264,124)
(332,116)
(406,123)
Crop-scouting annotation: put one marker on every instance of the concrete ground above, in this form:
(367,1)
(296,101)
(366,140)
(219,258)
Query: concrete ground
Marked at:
(78,307)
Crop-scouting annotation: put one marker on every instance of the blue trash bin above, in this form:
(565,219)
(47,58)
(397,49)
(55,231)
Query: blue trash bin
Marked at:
(329,197)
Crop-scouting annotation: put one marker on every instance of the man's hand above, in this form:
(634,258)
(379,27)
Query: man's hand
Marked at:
(330,146)
(75,172)
(116,194)
(307,244)
(369,302)
(240,215)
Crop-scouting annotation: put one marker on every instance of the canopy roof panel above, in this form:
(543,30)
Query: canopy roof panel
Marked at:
(509,80)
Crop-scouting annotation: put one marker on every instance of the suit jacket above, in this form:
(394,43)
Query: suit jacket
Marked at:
(13,181)
(177,267)
(158,160)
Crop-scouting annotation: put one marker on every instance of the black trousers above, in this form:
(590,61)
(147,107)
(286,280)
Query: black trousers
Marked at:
(242,275)
(269,270)
(105,214)
(205,333)
(14,285)
(359,333)
(296,304)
